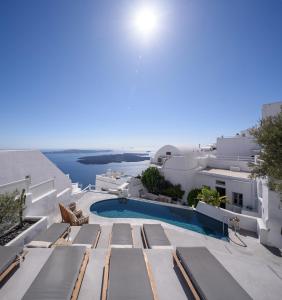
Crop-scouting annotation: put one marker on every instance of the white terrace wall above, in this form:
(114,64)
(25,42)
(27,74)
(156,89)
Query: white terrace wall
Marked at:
(236,146)
(46,186)
(271,215)
(271,109)
(17,164)
(226,163)
(246,222)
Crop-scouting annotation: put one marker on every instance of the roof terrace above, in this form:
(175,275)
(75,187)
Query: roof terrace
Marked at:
(254,267)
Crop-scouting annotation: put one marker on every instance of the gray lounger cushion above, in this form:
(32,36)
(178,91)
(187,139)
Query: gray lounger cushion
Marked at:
(211,280)
(87,234)
(56,280)
(8,255)
(155,235)
(128,277)
(53,233)
(121,234)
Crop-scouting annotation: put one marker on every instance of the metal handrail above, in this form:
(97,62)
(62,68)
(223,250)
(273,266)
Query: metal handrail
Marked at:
(89,187)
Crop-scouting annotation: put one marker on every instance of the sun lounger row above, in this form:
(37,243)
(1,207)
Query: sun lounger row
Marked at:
(127,274)
(121,236)
(88,236)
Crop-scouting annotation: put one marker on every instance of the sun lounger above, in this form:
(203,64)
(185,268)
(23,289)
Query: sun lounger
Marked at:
(205,275)
(127,276)
(88,236)
(49,237)
(9,260)
(121,236)
(155,237)
(61,275)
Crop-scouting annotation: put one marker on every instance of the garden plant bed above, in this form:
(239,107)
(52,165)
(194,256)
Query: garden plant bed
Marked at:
(15,231)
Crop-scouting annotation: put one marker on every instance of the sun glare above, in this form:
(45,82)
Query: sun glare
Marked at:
(146,21)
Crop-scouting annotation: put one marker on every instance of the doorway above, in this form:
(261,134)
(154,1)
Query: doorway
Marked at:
(222,193)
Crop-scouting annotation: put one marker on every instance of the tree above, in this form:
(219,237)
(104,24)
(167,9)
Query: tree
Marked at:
(152,180)
(192,197)
(211,197)
(268,134)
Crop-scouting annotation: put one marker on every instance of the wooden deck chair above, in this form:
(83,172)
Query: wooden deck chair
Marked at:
(61,276)
(130,266)
(10,258)
(205,275)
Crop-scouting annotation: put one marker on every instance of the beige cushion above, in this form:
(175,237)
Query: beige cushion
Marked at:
(38,244)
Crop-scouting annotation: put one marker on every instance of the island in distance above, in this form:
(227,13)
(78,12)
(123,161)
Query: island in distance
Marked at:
(113,158)
(74,151)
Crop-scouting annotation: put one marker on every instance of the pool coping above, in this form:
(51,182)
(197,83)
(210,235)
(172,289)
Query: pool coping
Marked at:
(169,225)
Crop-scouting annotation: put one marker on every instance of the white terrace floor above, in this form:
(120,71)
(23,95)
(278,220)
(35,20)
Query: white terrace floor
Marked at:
(258,270)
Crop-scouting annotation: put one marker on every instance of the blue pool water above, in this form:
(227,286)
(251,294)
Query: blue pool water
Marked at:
(188,219)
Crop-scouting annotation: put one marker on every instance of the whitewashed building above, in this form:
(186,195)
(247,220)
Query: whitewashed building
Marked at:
(45,184)
(227,170)
(119,184)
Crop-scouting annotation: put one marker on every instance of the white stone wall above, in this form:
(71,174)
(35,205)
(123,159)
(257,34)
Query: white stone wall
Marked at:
(46,187)
(218,163)
(236,146)
(271,109)
(246,222)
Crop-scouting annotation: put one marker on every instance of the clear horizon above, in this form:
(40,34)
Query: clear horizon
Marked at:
(94,75)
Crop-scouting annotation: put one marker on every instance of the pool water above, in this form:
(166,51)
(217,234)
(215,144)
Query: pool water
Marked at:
(185,218)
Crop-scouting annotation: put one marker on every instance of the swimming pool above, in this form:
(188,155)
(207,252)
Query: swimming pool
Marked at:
(185,218)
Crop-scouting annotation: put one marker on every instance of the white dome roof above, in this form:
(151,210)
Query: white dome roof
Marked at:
(177,150)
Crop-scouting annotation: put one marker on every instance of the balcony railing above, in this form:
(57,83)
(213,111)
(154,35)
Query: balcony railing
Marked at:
(15,185)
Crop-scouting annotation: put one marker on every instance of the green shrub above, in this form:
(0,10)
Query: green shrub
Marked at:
(192,197)
(152,180)
(12,206)
(173,191)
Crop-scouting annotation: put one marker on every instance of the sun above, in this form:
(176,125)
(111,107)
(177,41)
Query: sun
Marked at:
(146,21)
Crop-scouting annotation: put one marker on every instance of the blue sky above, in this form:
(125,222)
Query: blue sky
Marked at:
(74,74)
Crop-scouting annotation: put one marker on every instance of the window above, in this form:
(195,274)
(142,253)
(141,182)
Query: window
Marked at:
(168,153)
(219,182)
(237,199)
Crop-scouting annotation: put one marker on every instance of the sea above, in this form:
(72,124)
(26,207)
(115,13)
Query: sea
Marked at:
(86,174)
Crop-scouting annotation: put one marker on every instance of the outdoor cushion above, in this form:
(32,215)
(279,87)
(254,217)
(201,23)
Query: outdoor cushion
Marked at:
(8,255)
(211,280)
(121,234)
(87,234)
(155,235)
(128,277)
(38,244)
(53,233)
(57,278)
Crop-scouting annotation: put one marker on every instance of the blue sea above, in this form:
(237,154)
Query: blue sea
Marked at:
(86,174)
